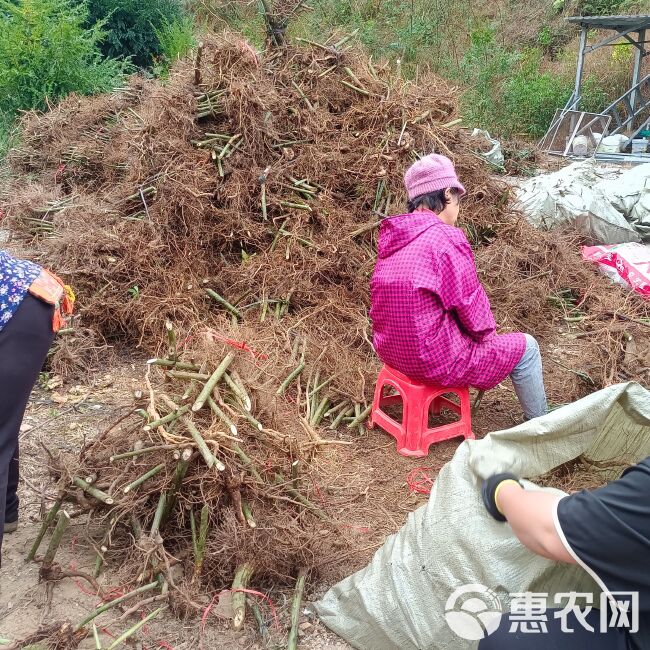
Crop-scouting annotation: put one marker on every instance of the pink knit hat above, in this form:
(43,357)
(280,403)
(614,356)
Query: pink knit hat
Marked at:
(429,174)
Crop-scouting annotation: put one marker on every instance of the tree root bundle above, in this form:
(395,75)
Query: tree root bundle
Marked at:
(193,481)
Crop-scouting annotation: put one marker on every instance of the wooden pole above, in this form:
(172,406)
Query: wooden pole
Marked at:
(139,452)
(98,643)
(231,379)
(248,515)
(222,301)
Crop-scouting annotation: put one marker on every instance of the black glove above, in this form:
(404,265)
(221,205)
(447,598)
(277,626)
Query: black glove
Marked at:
(488,492)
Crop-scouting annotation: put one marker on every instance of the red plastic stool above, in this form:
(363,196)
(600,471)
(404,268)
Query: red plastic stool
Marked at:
(413,435)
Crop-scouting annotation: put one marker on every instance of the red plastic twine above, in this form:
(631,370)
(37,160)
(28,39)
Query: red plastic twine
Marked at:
(59,170)
(238,345)
(419,480)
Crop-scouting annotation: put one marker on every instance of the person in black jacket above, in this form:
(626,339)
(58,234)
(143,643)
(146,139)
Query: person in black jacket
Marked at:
(606,531)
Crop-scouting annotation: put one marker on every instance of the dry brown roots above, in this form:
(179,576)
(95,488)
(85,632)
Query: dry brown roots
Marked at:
(51,637)
(195,485)
(131,199)
(265,183)
(582,473)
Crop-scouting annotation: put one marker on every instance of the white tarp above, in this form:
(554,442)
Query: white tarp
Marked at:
(398,601)
(608,206)
(495,155)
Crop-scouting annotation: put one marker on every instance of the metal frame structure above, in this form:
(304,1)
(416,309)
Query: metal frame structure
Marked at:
(631,112)
(592,125)
(623,26)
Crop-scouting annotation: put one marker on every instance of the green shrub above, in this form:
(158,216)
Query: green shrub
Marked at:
(509,93)
(176,39)
(529,102)
(530,97)
(131,27)
(599,7)
(47,53)
(482,69)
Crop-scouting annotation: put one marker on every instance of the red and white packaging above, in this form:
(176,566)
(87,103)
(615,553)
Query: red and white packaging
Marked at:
(626,264)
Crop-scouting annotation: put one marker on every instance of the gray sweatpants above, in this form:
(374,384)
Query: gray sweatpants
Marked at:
(528,381)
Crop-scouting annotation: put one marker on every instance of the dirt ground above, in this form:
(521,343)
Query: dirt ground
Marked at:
(367,491)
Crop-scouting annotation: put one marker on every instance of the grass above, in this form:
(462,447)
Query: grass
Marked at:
(176,39)
(506,87)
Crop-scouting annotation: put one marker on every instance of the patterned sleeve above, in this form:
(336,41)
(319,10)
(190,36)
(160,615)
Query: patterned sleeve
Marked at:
(462,293)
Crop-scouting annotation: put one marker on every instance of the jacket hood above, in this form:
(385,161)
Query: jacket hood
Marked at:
(396,232)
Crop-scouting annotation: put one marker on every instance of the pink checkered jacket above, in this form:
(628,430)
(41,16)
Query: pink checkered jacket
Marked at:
(431,317)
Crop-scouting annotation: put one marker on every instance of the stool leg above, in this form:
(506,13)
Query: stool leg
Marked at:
(466,413)
(436,408)
(376,401)
(414,424)
(477,403)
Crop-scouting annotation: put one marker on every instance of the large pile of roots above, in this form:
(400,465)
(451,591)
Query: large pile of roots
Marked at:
(265,183)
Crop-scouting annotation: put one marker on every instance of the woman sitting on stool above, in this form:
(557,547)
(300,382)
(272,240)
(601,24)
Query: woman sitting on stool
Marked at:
(431,317)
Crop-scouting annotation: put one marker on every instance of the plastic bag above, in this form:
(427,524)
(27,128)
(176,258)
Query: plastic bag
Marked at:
(401,600)
(608,207)
(580,194)
(625,264)
(613,143)
(495,155)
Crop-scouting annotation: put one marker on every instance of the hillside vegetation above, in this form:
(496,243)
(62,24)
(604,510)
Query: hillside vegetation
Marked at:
(513,62)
